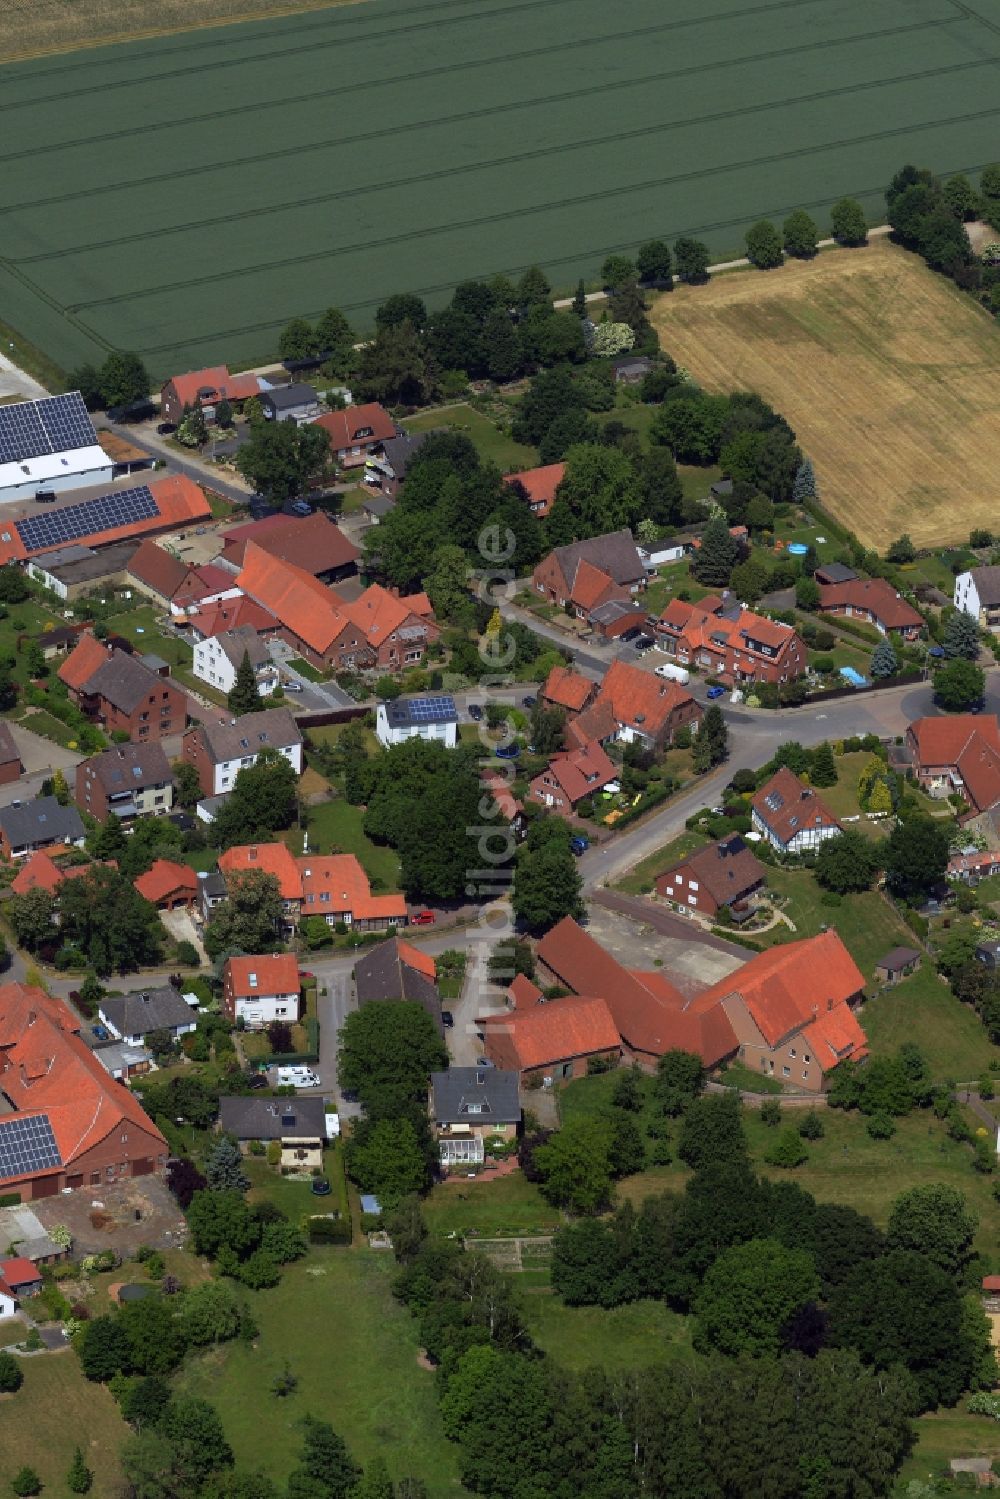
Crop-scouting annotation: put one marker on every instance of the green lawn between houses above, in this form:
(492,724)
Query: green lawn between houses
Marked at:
(338,827)
(491,443)
(334,1321)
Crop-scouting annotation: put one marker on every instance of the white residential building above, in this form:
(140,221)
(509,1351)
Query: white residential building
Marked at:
(258,990)
(217,660)
(417,718)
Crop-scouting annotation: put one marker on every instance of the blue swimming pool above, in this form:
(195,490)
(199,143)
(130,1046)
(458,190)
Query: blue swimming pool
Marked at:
(854,677)
(797,548)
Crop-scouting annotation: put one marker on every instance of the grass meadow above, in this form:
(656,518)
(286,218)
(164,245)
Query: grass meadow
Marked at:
(360,150)
(888,375)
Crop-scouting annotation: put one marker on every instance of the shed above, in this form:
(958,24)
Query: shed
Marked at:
(835,572)
(370,1204)
(897,964)
(23,1277)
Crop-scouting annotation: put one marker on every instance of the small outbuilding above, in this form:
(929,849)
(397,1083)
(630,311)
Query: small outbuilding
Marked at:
(897,964)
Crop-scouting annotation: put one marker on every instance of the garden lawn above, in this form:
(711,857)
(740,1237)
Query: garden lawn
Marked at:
(333,1321)
(140,626)
(338,827)
(309,672)
(944,1434)
(923,1009)
(508,1205)
(867,923)
(41,722)
(633,1336)
(295,1198)
(54,1411)
(490,442)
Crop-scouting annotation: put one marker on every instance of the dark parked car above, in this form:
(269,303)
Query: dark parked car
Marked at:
(644,643)
(507,751)
(447,1019)
(528,702)
(630,635)
(257,1080)
(475,712)
(166,428)
(483,1062)
(101,1033)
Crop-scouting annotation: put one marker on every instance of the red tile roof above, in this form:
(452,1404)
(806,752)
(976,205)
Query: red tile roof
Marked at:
(313,543)
(343,426)
(567,689)
(591,586)
(232,614)
(414,958)
(794,985)
(165,878)
(650,1013)
(788,807)
(991,1282)
(82,662)
(640,699)
(19,1271)
(540,485)
(336,883)
(552,1032)
(277,974)
(306,607)
(579,772)
(218,381)
(51,1072)
(158,568)
(979,767)
(41,872)
(499,788)
(268,858)
(876,596)
(940,741)
(523,993)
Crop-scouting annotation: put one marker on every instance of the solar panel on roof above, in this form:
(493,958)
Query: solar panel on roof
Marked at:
(431,709)
(27,1145)
(106,513)
(56,424)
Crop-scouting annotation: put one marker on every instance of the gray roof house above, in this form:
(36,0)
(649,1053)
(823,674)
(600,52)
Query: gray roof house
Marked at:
(254,1118)
(130,1017)
(473,1109)
(478,1094)
(124,681)
(290,403)
(42,823)
(387,972)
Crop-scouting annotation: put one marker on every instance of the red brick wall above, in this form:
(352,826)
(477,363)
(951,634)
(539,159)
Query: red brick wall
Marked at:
(140,1153)
(157,725)
(549,574)
(10,771)
(194,752)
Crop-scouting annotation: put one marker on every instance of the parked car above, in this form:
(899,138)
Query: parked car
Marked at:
(673,673)
(644,643)
(301,507)
(716,691)
(507,751)
(257,1080)
(629,635)
(101,1033)
(447,1019)
(423,918)
(483,1062)
(293,686)
(475,712)
(528,702)
(579,845)
(166,428)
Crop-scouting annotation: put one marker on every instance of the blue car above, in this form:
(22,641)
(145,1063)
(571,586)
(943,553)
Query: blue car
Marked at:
(714,692)
(508,751)
(100,1033)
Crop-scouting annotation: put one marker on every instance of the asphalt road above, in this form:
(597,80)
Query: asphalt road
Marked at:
(201,473)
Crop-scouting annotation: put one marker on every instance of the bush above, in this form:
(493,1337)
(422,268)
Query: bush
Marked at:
(26,1482)
(811,1126)
(770,1113)
(11,1374)
(273,1152)
(187,955)
(787,1151)
(323,1230)
(881,1127)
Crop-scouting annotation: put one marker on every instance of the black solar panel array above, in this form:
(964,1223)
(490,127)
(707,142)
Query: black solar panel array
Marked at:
(27,1145)
(429,709)
(107,512)
(57,424)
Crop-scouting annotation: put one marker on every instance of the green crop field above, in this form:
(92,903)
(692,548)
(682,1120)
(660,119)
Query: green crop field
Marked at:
(185,195)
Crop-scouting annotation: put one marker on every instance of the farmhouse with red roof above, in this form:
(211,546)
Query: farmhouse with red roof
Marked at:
(570,777)
(205,388)
(67,1123)
(313,542)
(356,432)
(635,707)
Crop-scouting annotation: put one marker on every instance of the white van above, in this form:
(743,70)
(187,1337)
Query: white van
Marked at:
(297,1077)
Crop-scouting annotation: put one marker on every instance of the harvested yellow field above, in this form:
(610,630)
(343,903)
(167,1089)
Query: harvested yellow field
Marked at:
(889,376)
(32,28)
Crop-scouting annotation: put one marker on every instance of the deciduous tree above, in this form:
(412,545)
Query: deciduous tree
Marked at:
(847,863)
(959,685)
(280,459)
(800,234)
(750,1293)
(691,257)
(935,1221)
(847,222)
(764,245)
